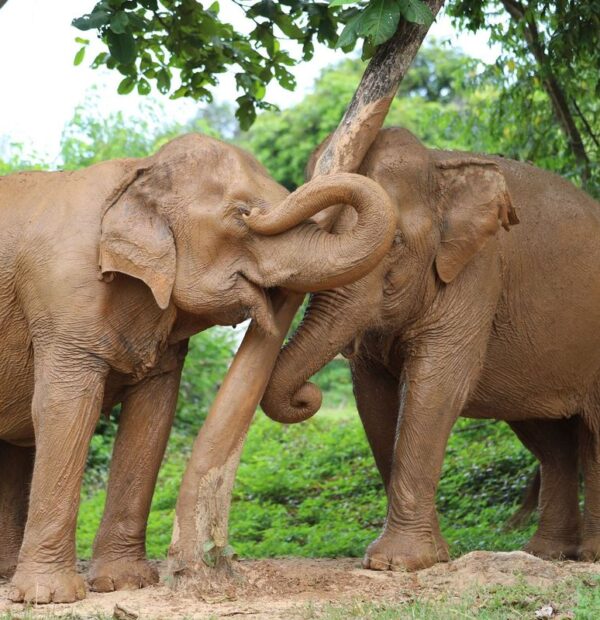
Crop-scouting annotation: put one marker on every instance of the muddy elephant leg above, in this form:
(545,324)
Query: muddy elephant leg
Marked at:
(376,393)
(590,459)
(119,557)
(554,444)
(436,382)
(65,408)
(16,467)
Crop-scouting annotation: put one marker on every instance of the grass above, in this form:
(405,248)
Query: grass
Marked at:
(313,490)
(578,599)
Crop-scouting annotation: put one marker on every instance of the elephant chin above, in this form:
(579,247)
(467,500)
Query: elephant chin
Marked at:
(259,305)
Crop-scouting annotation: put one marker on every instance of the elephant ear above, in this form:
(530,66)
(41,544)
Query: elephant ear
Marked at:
(136,240)
(475,203)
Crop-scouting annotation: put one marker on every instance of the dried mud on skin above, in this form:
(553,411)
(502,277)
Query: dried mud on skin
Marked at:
(288,588)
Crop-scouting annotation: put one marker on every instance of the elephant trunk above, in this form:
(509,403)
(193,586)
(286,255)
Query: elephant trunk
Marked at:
(303,257)
(289,398)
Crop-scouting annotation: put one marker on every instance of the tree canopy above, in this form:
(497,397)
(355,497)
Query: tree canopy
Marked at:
(547,73)
(181,46)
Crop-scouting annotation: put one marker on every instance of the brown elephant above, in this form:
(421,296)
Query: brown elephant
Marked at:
(464,319)
(104,275)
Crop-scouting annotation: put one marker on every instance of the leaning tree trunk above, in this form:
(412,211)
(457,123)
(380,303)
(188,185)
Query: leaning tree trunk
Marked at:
(199,540)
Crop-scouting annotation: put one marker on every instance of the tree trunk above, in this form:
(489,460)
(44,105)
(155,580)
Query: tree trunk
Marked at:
(203,505)
(552,86)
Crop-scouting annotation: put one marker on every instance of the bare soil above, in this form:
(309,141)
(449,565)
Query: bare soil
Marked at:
(297,588)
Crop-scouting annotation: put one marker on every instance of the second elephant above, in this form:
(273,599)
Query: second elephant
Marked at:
(462,318)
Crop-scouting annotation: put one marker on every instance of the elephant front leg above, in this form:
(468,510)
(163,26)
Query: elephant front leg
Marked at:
(16,467)
(433,392)
(376,393)
(65,408)
(119,558)
(554,444)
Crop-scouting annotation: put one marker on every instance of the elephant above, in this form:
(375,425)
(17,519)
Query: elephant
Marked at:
(463,318)
(105,273)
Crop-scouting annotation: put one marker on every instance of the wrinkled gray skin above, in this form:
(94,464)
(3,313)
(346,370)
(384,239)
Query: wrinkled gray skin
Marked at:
(104,275)
(464,318)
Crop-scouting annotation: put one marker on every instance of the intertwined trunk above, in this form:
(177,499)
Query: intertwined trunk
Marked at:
(203,505)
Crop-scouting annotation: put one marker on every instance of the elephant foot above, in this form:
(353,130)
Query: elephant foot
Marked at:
(590,549)
(405,552)
(46,584)
(7,569)
(124,574)
(9,555)
(553,547)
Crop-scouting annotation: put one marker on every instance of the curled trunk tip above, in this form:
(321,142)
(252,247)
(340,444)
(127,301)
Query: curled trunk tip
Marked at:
(294,408)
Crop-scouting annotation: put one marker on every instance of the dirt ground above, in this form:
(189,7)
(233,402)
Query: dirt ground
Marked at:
(297,588)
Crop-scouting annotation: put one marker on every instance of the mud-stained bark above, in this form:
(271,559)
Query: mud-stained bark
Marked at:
(202,511)
(373,97)
(216,451)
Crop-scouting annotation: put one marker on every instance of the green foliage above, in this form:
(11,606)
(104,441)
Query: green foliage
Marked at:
(14,158)
(313,490)
(447,100)
(549,67)
(440,101)
(181,46)
(376,21)
(92,136)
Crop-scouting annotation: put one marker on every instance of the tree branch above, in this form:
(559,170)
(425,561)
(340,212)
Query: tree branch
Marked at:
(584,120)
(551,84)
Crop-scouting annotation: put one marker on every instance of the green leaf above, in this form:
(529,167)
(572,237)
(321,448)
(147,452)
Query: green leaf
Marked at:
(349,35)
(417,12)
(126,85)
(340,2)
(95,19)
(79,56)
(379,20)
(368,49)
(82,41)
(143,87)
(163,81)
(121,46)
(119,22)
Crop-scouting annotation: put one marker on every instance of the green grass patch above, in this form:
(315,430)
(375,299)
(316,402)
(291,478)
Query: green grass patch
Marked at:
(313,490)
(574,598)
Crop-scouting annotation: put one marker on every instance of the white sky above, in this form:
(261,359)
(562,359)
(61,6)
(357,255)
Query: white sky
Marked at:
(40,87)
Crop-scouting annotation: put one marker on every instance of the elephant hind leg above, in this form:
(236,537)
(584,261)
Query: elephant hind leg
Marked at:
(16,468)
(589,439)
(555,444)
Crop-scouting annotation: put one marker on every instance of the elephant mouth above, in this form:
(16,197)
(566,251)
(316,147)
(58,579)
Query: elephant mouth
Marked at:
(257,302)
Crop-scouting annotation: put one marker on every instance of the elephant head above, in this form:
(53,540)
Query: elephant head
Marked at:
(208,230)
(448,207)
